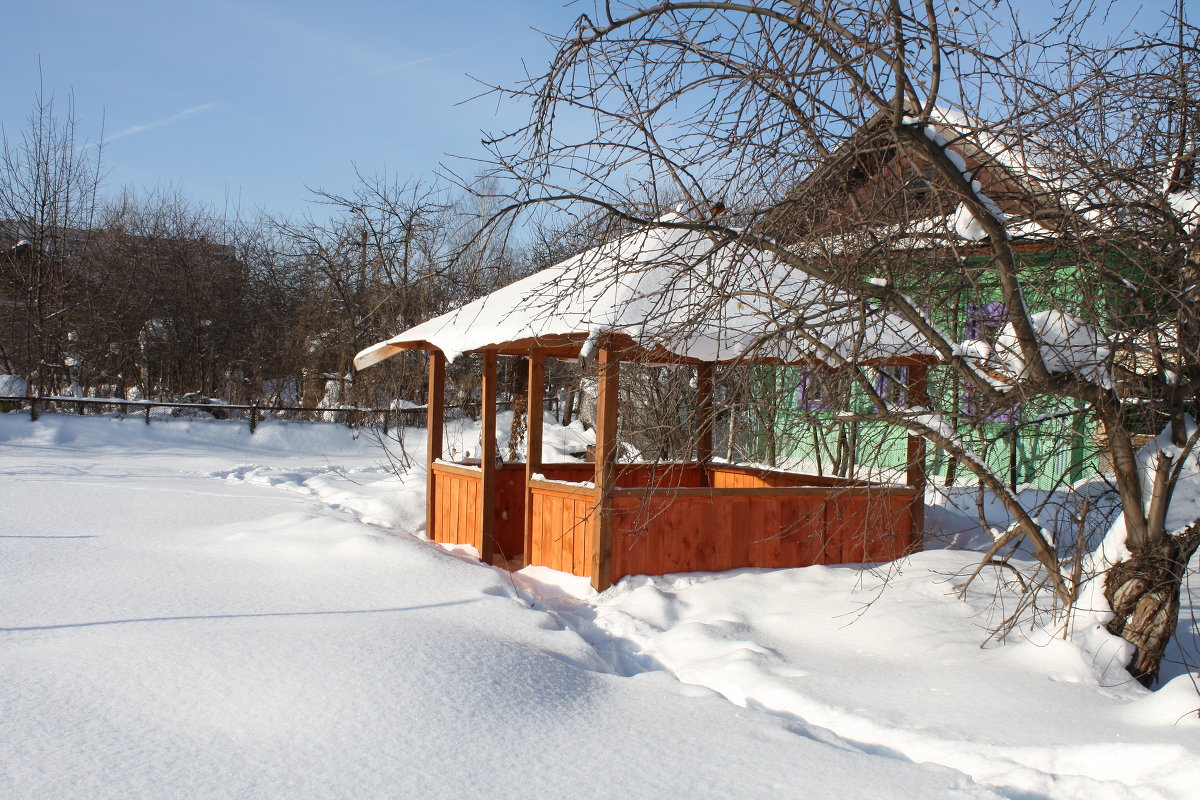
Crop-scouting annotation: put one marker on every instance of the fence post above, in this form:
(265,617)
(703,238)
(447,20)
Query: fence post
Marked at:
(1012,458)
(1078,456)
(33,409)
(386,414)
(147,413)
(253,417)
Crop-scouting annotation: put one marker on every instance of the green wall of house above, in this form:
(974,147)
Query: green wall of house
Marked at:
(1044,450)
(1046,443)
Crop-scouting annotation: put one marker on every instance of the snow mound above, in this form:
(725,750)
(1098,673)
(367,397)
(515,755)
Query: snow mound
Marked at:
(1068,345)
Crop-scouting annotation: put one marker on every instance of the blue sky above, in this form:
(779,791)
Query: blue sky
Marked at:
(255,100)
(250,102)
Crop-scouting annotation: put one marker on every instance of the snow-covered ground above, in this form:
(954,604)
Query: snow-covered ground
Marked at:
(190,611)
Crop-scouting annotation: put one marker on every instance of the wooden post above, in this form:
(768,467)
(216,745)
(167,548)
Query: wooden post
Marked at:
(704,410)
(533,441)
(918,395)
(487,460)
(606,458)
(433,435)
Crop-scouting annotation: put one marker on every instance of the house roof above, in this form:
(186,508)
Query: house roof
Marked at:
(669,294)
(871,171)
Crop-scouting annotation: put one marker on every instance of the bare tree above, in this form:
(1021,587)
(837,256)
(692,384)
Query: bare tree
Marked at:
(170,303)
(928,160)
(365,269)
(48,183)
(391,255)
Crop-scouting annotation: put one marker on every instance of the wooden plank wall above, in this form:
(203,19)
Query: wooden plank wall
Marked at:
(562,528)
(510,510)
(728,476)
(457,496)
(665,475)
(872,527)
(658,535)
(734,479)
(572,472)
(661,476)
(686,534)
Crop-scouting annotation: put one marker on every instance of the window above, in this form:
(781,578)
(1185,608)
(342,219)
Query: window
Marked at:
(984,323)
(813,390)
(891,383)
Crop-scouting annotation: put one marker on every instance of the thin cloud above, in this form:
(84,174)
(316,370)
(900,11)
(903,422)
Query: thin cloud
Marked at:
(397,67)
(158,123)
(416,61)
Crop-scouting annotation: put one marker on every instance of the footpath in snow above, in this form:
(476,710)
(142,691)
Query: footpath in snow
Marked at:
(189,611)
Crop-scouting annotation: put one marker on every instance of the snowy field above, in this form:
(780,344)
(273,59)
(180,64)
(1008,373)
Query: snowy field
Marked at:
(189,611)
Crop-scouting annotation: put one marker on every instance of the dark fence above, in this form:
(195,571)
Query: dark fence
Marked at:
(384,418)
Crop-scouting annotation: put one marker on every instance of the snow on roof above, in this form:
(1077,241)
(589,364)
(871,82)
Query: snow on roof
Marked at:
(1046,167)
(678,294)
(916,234)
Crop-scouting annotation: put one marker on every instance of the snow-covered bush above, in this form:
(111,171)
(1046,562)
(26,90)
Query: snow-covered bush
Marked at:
(13,386)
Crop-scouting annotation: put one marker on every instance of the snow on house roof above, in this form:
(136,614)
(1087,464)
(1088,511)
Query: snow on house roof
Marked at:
(1048,168)
(671,294)
(999,165)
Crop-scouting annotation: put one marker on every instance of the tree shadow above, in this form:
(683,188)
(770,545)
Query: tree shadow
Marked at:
(351,612)
(19,536)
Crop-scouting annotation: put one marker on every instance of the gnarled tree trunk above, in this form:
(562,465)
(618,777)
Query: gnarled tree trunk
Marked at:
(1143,592)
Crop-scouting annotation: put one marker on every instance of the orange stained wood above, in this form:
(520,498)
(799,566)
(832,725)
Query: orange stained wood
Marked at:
(918,390)
(732,475)
(660,476)
(691,532)
(535,386)
(458,498)
(607,382)
(459,495)
(487,458)
(562,526)
(749,518)
(433,429)
(664,521)
(509,510)
(657,518)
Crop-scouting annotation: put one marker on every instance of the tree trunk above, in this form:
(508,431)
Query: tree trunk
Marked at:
(1143,592)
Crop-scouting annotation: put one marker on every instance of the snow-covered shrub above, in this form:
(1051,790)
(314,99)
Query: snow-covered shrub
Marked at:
(13,386)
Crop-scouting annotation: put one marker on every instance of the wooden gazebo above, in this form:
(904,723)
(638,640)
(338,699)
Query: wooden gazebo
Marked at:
(664,295)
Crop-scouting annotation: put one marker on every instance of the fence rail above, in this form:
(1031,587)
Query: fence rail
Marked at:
(385,418)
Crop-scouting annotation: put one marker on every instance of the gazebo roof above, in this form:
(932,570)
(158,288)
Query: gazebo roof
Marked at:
(669,295)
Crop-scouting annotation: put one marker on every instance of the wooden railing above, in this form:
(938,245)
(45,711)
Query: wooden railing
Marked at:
(684,517)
